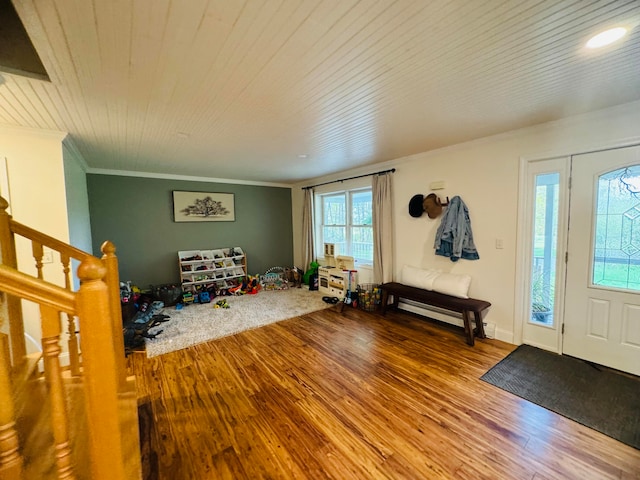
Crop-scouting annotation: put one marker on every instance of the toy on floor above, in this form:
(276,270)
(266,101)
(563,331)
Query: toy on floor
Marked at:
(136,328)
(129,293)
(275,279)
(221,304)
(187,298)
(294,275)
(313,270)
(332,300)
(169,294)
(251,285)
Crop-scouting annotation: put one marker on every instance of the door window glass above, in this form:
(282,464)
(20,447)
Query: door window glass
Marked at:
(616,255)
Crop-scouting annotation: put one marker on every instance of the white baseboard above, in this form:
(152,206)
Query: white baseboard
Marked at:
(447,317)
(504,335)
(436,314)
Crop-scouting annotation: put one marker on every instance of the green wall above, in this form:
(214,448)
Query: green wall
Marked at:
(136,214)
(75,183)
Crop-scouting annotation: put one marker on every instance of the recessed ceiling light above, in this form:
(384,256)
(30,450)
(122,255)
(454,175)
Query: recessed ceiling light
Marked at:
(607,37)
(303,155)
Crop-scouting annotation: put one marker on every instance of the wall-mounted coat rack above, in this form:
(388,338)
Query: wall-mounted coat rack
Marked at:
(444,204)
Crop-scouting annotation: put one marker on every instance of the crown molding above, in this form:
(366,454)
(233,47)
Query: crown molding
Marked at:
(186,178)
(70,145)
(57,134)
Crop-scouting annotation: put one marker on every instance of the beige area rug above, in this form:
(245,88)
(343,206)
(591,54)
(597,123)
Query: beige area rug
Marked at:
(201,323)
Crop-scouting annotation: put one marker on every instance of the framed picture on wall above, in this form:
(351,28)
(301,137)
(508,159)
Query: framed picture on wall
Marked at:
(203,207)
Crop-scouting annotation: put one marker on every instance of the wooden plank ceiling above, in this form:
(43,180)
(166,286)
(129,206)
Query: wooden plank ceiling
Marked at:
(238,89)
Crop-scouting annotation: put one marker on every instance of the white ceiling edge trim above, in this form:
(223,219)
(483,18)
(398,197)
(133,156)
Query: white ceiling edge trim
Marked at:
(559,123)
(34,131)
(69,144)
(370,169)
(186,178)
(584,149)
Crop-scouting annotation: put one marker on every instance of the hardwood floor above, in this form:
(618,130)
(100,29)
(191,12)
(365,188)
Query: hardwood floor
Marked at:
(355,395)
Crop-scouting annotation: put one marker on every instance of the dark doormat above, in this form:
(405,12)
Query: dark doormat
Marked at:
(597,397)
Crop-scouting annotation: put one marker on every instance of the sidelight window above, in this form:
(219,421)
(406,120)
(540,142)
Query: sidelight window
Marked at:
(545,240)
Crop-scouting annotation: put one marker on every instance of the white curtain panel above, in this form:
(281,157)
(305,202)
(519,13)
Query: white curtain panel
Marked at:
(382,228)
(308,252)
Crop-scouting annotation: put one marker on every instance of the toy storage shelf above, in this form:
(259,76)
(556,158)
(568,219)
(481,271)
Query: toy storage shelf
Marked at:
(223,267)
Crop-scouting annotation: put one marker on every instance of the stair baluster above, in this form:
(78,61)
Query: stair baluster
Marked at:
(51,330)
(38,253)
(74,356)
(11,462)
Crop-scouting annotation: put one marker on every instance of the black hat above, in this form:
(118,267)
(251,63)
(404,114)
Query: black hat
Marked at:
(415,206)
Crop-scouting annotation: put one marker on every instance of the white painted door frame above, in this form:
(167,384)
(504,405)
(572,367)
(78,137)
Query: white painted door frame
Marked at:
(541,336)
(524,239)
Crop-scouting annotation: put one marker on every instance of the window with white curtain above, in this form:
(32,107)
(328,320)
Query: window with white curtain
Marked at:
(345,218)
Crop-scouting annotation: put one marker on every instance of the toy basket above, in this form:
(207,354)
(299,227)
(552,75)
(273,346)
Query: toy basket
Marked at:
(368,296)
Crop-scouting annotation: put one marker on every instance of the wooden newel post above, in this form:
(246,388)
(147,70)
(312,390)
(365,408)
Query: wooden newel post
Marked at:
(101,377)
(13,305)
(112,280)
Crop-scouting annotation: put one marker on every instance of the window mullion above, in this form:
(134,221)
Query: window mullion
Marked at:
(349,223)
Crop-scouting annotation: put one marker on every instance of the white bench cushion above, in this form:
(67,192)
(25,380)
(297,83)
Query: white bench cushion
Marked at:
(453,284)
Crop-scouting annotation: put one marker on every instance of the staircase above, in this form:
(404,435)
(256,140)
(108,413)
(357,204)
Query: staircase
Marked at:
(64,422)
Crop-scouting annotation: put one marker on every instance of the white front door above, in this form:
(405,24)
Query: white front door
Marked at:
(602,303)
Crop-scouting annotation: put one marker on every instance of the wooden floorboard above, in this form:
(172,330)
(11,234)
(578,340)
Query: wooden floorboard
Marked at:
(355,395)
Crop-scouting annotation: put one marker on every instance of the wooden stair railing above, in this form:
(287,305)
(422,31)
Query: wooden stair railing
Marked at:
(99,363)
(9,228)
(66,253)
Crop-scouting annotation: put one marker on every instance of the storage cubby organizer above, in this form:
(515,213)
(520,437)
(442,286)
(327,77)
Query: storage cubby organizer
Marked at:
(201,269)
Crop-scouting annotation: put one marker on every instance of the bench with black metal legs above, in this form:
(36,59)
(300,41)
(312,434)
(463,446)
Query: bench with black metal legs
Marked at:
(466,306)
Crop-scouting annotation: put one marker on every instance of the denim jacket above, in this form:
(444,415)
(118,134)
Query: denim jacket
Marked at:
(454,238)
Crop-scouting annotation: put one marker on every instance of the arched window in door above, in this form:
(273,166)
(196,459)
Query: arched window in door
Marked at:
(616,254)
